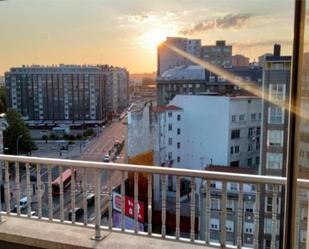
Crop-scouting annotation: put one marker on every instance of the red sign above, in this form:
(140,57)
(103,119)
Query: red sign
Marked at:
(129,206)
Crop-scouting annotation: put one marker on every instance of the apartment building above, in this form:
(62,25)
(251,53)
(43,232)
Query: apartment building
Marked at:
(64,92)
(77,93)
(194,80)
(167,58)
(219,54)
(276,85)
(117,89)
(239,60)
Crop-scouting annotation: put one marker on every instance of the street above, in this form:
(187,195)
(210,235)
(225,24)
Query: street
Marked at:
(94,150)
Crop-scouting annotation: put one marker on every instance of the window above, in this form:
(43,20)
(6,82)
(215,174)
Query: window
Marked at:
(248,227)
(215,204)
(275,138)
(221,79)
(274,160)
(275,115)
(170,114)
(303,213)
(253,116)
(214,224)
(178,131)
(236,149)
(233,118)
(257,160)
(250,147)
(170,155)
(250,132)
(229,225)
(258,131)
(303,236)
(232,150)
(268,204)
(267,226)
(249,162)
(230,205)
(234,164)
(249,206)
(241,117)
(178,145)
(178,117)
(170,141)
(235,134)
(178,159)
(170,127)
(277,92)
(233,186)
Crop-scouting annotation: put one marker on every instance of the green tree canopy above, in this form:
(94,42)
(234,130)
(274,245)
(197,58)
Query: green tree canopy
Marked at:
(16,127)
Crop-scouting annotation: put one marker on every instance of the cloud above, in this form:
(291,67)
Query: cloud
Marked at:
(136,18)
(225,22)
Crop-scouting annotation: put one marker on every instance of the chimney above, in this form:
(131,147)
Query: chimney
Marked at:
(277,50)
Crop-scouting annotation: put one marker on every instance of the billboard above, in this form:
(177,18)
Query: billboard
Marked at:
(129,206)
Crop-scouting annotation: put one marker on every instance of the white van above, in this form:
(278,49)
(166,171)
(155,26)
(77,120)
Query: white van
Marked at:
(23,203)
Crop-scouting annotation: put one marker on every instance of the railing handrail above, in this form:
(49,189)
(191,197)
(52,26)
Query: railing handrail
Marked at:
(211,175)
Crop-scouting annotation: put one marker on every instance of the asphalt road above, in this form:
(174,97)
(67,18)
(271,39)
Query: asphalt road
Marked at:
(93,151)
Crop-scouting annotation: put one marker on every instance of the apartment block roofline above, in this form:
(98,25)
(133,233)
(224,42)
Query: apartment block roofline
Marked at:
(158,109)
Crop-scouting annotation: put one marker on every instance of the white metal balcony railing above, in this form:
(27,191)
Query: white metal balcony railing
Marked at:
(83,169)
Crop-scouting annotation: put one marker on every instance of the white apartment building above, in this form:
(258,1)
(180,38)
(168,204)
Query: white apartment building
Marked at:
(216,130)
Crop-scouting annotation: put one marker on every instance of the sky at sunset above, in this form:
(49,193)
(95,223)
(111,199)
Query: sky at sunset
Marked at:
(126,32)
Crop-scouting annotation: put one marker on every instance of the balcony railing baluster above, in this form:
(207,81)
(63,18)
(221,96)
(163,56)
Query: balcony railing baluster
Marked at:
(177,207)
(7,189)
(257,217)
(149,204)
(110,200)
(192,209)
(163,229)
(136,228)
(28,189)
(274,217)
(223,215)
(73,195)
(50,192)
(84,189)
(122,200)
(207,215)
(240,216)
(17,182)
(97,205)
(297,219)
(39,189)
(61,194)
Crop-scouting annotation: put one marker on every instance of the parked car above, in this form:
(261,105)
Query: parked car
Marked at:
(23,203)
(78,212)
(90,199)
(106,158)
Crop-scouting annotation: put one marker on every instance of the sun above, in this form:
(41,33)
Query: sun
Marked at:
(151,39)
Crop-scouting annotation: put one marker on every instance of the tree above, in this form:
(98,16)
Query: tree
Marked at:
(2,100)
(16,127)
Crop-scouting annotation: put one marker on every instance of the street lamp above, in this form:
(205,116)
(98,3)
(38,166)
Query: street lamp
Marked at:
(17,140)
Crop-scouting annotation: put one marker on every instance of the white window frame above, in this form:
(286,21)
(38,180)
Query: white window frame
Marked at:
(214,224)
(275,138)
(275,93)
(278,113)
(274,160)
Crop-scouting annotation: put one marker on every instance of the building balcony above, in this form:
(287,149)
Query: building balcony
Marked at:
(126,206)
